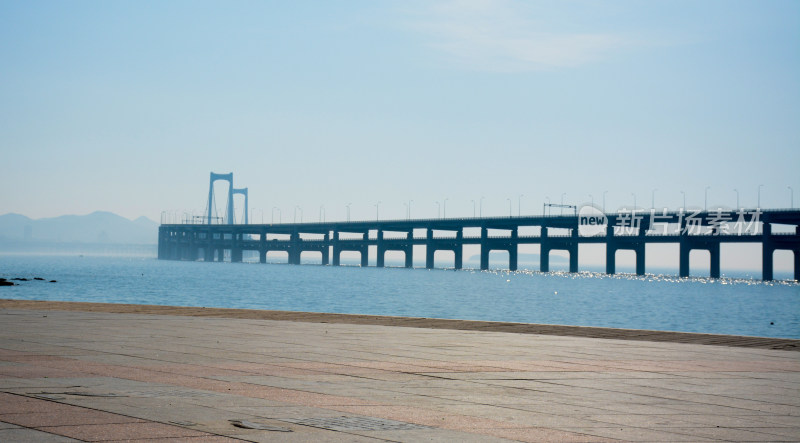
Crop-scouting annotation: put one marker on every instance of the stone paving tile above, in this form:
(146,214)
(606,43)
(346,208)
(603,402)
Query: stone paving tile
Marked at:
(627,433)
(32,436)
(4,425)
(76,416)
(122,431)
(198,373)
(200,439)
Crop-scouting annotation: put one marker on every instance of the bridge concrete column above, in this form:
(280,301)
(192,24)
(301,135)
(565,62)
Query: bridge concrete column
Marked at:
(337,252)
(797,264)
(295,248)
(683,261)
(573,258)
(236,255)
(484,249)
(236,248)
(767,251)
(640,259)
(409,251)
(326,250)
(262,247)
(544,251)
(365,255)
(611,257)
(513,250)
(429,249)
(459,250)
(381,250)
(713,250)
(162,243)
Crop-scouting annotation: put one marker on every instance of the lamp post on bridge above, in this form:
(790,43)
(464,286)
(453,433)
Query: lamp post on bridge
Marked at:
(444,208)
(545,205)
(348,210)
(562,202)
(758,206)
(273,214)
(653,199)
(321,213)
(509,207)
(295,213)
(519,205)
(604,201)
(377,210)
(438,209)
(473,208)
(684,200)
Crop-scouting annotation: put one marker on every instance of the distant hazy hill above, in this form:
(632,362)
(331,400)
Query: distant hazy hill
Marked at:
(97,227)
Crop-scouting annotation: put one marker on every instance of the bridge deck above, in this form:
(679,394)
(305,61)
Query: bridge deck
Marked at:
(691,230)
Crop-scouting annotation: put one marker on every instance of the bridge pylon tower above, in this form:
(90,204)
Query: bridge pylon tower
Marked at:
(229,212)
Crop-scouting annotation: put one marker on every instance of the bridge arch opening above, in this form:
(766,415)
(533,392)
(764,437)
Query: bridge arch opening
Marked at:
(277,257)
(592,257)
(625,261)
(559,260)
(350,258)
(311,257)
(783,264)
(662,258)
(499,259)
(394,258)
(740,260)
(444,259)
(700,263)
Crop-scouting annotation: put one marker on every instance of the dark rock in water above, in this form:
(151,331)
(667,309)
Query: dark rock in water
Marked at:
(38,278)
(20,279)
(6,283)
(52,281)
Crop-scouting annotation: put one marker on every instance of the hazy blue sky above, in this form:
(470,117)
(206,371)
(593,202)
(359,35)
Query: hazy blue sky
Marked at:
(127,106)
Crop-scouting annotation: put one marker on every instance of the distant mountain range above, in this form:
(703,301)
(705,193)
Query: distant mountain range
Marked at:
(97,227)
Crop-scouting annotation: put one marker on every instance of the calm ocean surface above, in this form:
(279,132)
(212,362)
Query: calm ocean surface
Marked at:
(726,306)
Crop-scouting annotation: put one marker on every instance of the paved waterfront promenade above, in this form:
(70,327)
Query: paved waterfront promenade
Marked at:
(97,372)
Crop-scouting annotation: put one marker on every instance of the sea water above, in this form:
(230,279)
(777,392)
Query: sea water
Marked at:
(718,306)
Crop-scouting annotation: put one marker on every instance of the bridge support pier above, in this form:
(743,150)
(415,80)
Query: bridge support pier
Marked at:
(713,250)
(380,260)
(683,265)
(640,259)
(573,259)
(429,250)
(611,258)
(484,249)
(796,264)
(337,251)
